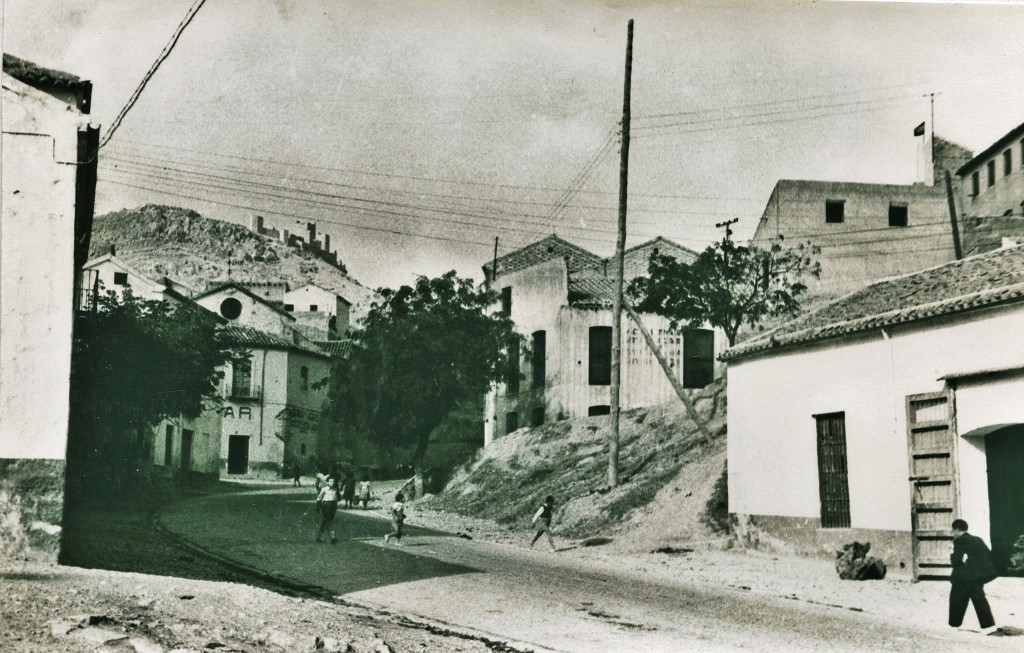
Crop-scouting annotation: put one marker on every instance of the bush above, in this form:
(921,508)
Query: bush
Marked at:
(716,511)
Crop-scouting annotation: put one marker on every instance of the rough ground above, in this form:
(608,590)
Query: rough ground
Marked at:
(192,249)
(667,474)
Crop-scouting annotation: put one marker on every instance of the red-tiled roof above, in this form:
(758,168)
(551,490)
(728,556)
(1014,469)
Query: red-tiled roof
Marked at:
(544,250)
(40,77)
(976,282)
(242,336)
(591,291)
(336,348)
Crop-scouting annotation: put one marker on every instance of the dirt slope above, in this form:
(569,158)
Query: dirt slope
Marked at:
(192,249)
(667,474)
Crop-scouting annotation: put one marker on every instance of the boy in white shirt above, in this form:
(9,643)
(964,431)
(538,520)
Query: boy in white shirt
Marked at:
(327,504)
(397,519)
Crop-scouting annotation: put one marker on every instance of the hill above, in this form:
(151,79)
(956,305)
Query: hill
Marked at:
(192,249)
(668,475)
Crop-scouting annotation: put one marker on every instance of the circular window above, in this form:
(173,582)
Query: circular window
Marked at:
(231,308)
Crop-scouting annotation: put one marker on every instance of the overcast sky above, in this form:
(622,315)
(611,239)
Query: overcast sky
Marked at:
(416,132)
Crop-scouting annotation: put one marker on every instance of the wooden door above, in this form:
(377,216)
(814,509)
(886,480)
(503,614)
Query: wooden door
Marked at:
(238,454)
(934,503)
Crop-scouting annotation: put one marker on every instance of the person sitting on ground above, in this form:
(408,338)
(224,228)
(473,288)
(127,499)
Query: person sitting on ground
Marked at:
(397,519)
(544,514)
(364,491)
(969,577)
(327,505)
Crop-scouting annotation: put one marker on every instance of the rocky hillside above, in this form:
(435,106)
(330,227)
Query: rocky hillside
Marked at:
(667,474)
(192,249)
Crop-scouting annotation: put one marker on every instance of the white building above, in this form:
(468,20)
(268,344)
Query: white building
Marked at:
(239,305)
(560,299)
(319,308)
(109,273)
(917,377)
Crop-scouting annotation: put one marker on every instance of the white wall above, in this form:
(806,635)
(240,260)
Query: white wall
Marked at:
(36,271)
(254,314)
(772,400)
(143,287)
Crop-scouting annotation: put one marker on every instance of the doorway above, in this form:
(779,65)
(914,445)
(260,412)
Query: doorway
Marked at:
(238,454)
(1004,453)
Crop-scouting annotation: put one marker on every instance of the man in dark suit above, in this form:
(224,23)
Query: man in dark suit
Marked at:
(969,577)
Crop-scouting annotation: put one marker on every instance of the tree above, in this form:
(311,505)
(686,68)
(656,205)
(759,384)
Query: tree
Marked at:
(421,350)
(727,286)
(135,362)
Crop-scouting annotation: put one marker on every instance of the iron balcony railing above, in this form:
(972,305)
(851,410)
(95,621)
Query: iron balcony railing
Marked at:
(253,393)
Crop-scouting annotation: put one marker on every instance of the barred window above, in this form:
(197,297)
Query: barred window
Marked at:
(600,355)
(833,483)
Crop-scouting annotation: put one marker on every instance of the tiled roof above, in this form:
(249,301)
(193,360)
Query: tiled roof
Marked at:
(591,291)
(549,248)
(242,336)
(39,77)
(1007,138)
(336,348)
(276,306)
(976,282)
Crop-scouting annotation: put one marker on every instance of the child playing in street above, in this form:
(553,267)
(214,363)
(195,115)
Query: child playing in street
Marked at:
(364,491)
(327,504)
(397,519)
(350,490)
(544,514)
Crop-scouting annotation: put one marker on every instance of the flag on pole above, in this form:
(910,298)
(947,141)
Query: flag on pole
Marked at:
(919,130)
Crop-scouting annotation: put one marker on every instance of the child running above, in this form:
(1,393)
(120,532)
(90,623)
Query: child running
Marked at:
(364,491)
(327,504)
(544,514)
(397,519)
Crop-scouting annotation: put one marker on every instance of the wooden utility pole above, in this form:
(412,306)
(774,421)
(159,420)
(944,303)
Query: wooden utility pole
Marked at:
(620,247)
(728,227)
(494,265)
(957,248)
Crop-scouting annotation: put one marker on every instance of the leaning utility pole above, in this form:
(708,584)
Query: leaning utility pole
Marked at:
(620,247)
(957,247)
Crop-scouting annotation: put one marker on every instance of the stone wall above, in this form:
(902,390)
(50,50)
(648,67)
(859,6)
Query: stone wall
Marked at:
(31,509)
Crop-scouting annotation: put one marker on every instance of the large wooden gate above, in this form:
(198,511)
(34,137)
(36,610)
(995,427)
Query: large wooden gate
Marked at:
(934,503)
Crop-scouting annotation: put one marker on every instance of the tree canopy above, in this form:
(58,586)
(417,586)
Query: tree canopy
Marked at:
(727,286)
(421,350)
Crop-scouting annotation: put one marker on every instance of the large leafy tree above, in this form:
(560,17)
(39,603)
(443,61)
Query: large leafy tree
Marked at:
(422,350)
(135,362)
(727,286)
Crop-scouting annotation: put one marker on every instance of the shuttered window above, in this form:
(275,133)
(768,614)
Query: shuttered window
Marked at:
(511,422)
(512,381)
(506,300)
(833,485)
(698,357)
(600,355)
(539,358)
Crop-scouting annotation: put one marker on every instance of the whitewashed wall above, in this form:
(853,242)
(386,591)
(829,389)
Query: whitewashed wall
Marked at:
(254,314)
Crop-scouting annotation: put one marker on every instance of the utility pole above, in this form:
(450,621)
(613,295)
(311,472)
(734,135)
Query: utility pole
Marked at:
(494,265)
(957,248)
(620,247)
(728,227)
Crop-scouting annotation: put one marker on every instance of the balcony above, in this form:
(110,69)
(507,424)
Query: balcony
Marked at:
(245,393)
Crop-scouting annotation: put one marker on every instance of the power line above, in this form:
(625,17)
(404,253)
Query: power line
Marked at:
(152,70)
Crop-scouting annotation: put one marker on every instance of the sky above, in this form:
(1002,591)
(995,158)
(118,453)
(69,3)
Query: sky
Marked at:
(416,133)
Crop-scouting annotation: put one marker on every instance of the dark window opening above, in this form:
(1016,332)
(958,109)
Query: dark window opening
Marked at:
(168,445)
(506,300)
(538,355)
(537,416)
(231,308)
(975,184)
(698,357)
(304,375)
(241,378)
(593,411)
(313,308)
(1007,162)
(120,278)
(289,307)
(512,380)
(991,173)
(600,355)
(511,422)
(833,482)
(834,211)
(897,215)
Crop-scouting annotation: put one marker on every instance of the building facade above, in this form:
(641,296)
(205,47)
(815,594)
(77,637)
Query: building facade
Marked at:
(319,308)
(560,300)
(49,183)
(992,183)
(918,377)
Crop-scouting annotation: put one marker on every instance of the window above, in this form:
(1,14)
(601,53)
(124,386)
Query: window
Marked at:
(600,355)
(975,184)
(698,357)
(120,278)
(506,300)
(599,410)
(834,211)
(898,214)
(991,173)
(1007,163)
(539,355)
(241,378)
(231,308)
(511,422)
(537,416)
(512,380)
(304,375)
(168,445)
(313,308)
(833,486)
(289,307)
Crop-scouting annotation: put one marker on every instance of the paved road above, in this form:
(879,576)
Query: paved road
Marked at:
(535,597)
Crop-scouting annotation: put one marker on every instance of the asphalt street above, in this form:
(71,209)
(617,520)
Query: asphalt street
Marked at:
(547,600)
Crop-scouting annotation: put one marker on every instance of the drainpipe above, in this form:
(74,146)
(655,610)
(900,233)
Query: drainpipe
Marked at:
(892,381)
(263,391)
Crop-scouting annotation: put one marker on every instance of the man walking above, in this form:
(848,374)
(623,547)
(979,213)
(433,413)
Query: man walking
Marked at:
(544,514)
(969,577)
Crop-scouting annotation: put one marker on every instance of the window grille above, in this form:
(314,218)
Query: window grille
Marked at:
(698,357)
(600,369)
(833,484)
